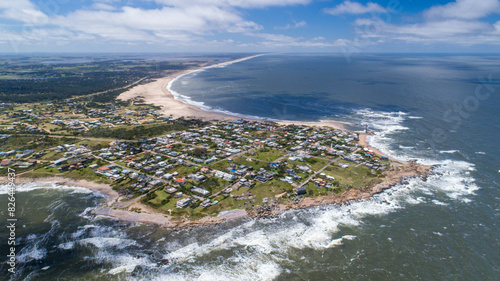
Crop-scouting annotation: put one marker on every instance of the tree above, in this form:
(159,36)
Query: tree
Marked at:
(198,152)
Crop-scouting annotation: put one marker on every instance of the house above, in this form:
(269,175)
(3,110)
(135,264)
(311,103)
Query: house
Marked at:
(102,169)
(304,168)
(183,203)
(155,183)
(148,168)
(240,172)
(261,178)
(206,203)
(273,165)
(39,154)
(200,191)
(224,175)
(6,162)
(64,168)
(208,161)
(170,189)
(300,190)
(60,161)
(180,181)
(319,182)
(198,177)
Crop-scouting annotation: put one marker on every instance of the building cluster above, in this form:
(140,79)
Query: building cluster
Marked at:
(74,116)
(196,166)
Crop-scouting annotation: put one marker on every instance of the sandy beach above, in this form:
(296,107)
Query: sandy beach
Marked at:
(363,142)
(157,93)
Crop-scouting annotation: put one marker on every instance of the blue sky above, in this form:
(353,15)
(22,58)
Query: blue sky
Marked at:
(249,26)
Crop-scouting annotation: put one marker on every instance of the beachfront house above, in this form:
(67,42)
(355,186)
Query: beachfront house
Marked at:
(183,203)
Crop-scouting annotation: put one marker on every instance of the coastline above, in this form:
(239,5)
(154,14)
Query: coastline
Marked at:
(400,175)
(157,93)
(104,189)
(134,211)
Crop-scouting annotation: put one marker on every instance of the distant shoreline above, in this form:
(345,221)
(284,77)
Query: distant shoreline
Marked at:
(157,93)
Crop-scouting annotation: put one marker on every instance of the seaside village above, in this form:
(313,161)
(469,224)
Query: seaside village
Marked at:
(201,170)
(72,116)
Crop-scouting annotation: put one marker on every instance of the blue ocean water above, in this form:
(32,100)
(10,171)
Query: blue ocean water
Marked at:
(442,110)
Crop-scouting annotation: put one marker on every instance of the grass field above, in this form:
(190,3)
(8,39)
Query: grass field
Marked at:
(266,154)
(360,176)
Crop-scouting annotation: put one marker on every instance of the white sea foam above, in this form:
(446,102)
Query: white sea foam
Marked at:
(123,262)
(259,247)
(31,253)
(247,269)
(340,241)
(87,213)
(265,245)
(437,202)
(66,245)
(448,151)
(107,242)
(47,186)
(406,147)
(124,268)
(452,177)
(34,249)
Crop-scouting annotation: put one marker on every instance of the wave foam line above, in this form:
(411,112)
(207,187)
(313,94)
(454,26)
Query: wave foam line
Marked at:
(28,187)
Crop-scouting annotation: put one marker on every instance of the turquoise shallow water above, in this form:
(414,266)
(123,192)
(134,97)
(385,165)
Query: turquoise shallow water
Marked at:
(422,107)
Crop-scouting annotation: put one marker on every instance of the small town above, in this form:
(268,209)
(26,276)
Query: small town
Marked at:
(202,169)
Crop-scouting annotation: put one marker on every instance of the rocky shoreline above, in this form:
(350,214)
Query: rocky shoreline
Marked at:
(138,212)
(400,176)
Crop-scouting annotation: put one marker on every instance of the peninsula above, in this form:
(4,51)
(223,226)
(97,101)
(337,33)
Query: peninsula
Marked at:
(163,161)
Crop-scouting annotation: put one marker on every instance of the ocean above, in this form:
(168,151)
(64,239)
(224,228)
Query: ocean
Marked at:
(441,110)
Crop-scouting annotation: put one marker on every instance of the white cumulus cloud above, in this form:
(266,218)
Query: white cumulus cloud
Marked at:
(355,8)
(464,9)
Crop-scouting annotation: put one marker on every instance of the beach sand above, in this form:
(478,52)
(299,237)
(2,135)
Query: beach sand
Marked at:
(363,142)
(157,93)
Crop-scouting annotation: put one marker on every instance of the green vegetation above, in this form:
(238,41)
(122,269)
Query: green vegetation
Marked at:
(142,131)
(359,176)
(93,136)
(34,142)
(36,79)
(267,154)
